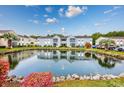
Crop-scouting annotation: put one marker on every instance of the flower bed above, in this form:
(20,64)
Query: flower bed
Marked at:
(4,68)
(38,79)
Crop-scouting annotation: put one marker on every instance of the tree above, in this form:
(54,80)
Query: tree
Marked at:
(95,36)
(87,45)
(107,43)
(10,37)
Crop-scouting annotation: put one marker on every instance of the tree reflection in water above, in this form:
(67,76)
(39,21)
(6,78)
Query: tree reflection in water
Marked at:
(14,58)
(87,55)
(12,61)
(106,61)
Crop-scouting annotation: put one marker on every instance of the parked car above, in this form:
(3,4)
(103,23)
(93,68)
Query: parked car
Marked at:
(94,46)
(111,47)
(120,48)
(100,47)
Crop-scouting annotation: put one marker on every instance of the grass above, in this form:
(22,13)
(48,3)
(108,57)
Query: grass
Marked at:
(92,83)
(112,53)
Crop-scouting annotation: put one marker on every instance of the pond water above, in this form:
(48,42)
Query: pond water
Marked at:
(62,63)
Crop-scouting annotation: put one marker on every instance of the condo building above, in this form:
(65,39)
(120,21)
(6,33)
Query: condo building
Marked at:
(69,41)
(119,41)
(53,41)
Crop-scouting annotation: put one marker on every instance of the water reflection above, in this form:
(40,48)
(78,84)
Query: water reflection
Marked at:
(106,61)
(71,56)
(61,62)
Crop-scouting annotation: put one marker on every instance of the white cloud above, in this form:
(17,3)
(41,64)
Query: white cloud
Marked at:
(49,31)
(112,10)
(99,24)
(63,29)
(114,14)
(45,15)
(116,7)
(108,11)
(75,10)
(51,20)
(34,21)
(61,11)
(49,9)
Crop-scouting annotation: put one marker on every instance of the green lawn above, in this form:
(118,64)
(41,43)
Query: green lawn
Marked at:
(109,52)
(92,83)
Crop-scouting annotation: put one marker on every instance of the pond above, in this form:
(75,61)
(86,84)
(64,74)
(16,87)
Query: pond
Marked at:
(62,63)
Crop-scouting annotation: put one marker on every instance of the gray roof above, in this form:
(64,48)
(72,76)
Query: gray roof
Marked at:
(82,36)
(6,31)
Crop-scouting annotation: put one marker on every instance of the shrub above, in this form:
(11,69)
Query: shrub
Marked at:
(38,79)
(4,68)
(88,45)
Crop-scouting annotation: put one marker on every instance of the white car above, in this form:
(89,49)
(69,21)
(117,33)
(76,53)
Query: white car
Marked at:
(121,48)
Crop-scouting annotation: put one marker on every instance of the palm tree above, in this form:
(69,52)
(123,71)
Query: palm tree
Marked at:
(10,37)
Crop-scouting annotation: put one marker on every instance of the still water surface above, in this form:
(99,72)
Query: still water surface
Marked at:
(62,63)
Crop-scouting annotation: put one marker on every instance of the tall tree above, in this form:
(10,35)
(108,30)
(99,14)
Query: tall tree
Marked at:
(95,36)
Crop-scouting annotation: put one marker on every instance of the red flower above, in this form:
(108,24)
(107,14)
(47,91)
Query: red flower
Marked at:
(38,79)
(4,68)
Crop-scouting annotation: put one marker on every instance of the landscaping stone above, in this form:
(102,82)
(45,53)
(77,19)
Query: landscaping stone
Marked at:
(69,77)
(57,79)
(121,75)
(54,79)
(75,76)
(62,78)
(81,78)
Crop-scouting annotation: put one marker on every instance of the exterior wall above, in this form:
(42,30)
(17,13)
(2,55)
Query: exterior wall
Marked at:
(45,41)
(58,42)
(83,41)
(118,41)
(23,41)
(71,41)
(3,42)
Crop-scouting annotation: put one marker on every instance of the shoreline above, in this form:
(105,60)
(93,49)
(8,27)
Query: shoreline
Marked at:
(16,81)
(112,53)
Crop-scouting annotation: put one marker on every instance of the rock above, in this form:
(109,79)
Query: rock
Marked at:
(96,77)
(57,79)
(75,76)
(54,79)
(85,77)
(121,75)
(62,78)
(69,77)
(14,79)
(20,77)
(13,76)
(81,78)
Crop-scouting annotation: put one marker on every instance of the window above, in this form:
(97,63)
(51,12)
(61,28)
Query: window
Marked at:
(55,40)
(64,39)
(72,40)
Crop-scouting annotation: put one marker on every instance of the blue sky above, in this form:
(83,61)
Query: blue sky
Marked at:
(60,19)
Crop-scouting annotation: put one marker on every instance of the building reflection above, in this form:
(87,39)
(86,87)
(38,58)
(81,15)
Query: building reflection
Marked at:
(71,56)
